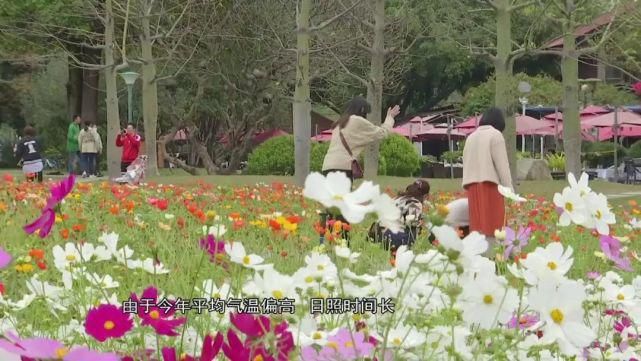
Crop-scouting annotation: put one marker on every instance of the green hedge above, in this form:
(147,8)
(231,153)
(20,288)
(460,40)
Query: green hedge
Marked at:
(601,153)
(635,150)
(276,157)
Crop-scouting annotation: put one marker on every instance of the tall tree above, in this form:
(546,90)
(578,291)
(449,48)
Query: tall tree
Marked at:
(113,119)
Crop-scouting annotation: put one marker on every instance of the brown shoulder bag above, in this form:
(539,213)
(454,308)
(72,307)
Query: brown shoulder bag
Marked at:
(357,171)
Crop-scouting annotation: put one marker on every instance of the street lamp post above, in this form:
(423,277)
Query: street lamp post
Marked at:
(524,88)
(130,78)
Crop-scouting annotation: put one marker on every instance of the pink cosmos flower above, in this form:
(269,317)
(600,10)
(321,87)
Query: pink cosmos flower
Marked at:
(161,319)
(45,222)
(44,348)
(515,241)
(5,258)
(212,246)
(255,328)
(593,275)
(611,247)
(107,321)
(341,346)
(523,322)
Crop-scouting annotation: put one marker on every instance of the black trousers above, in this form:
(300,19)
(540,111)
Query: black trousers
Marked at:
(123,166)
(38,177)
(327,216)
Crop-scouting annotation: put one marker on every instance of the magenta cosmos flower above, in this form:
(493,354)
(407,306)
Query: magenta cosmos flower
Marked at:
(107,321)
(210,245)
(44,223)
(211,347)
(5,258)
(44,348)
(256,329)
(342,346)
(161,319)
(611,247)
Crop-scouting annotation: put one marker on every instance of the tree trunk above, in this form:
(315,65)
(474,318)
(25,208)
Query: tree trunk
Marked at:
(74,91)
(503,71)
(90,84)
(113,120)
(570,73)
(149,93)
(375,86)
(302,106)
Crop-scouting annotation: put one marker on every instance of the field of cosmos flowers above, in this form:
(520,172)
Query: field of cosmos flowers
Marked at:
(92,271)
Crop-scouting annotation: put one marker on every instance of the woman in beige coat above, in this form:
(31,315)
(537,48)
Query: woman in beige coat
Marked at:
(90,146)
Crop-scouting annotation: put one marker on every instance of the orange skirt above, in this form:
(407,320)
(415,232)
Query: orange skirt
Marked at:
(486,207)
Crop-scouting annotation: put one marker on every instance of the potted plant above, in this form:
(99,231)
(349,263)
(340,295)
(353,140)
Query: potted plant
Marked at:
(427,166)
(556,163)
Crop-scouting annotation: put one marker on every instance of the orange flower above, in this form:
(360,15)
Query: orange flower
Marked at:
(181,222)
(274,225)
(3,207)
(37,253)
(234,215)
(7,177)
(42,265)
(78,227)
(632,203)
(114,209)
(283,253)
(64,233)
(338,225)
(294,219)
(129,205)
(238,224)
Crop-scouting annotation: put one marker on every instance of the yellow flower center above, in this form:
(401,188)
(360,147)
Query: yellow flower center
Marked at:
(396,341)
(62,352)
(349,344)
(109,325)
(70,258)
(215,295)
(317,336)
(552,265)
(598,215)
(569,207)
(246,260)
(333,345)
(557,316)
(309,279)
(154,314)
(258,358)
(320,267)
(620,297)
(487,299)
(278,294)
(338,197)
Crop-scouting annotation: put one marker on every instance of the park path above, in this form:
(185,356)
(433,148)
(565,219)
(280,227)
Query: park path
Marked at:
(624,195)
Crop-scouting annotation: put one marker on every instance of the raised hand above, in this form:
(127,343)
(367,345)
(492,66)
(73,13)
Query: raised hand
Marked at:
(393,112)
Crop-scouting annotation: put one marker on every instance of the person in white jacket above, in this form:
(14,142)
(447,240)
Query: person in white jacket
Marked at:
(90,146)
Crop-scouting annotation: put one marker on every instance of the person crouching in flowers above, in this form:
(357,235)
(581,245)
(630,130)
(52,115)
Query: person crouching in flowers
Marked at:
(351,134)
(28,152)
(410,203)
(458,216)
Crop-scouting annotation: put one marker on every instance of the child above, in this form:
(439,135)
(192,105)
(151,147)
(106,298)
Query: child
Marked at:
(458,216)
(28,152)
(410,203)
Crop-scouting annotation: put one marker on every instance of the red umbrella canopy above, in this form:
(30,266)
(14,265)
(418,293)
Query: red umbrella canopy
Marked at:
(586,113)
(526,125)
(607,120)
(624,131)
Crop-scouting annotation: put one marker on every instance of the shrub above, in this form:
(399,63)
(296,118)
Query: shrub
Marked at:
(274,157)
(317,156)
(405,159)
(601,153)
(8,139)
(635,150)
(556,162)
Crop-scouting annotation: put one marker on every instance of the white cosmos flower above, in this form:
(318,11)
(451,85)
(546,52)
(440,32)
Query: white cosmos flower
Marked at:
(274,284)
(635,223)
(508,193)
(404,336)
(24,302)
(487,300)
(549,262)
(573,205)
(601,215)
(307,333)
(581,186)
(217,230)
(335,191)
(237,254)
(150,266)
(623,295)
(470,248)
(320,266)
(404,258)
(102,282)
(71,255)
(210,290)
(443,337)
(560,306)
(389,215)
(345,252)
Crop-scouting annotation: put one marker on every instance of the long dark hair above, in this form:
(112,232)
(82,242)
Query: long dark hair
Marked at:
(357,106)
(419,190)
(495,118)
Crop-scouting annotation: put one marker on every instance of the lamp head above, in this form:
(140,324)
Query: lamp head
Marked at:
(129,77)
(524,87)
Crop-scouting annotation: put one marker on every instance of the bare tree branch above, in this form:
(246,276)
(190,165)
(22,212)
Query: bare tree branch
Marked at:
(328,22)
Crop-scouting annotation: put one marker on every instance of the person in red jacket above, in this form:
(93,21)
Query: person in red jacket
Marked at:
(130,143)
